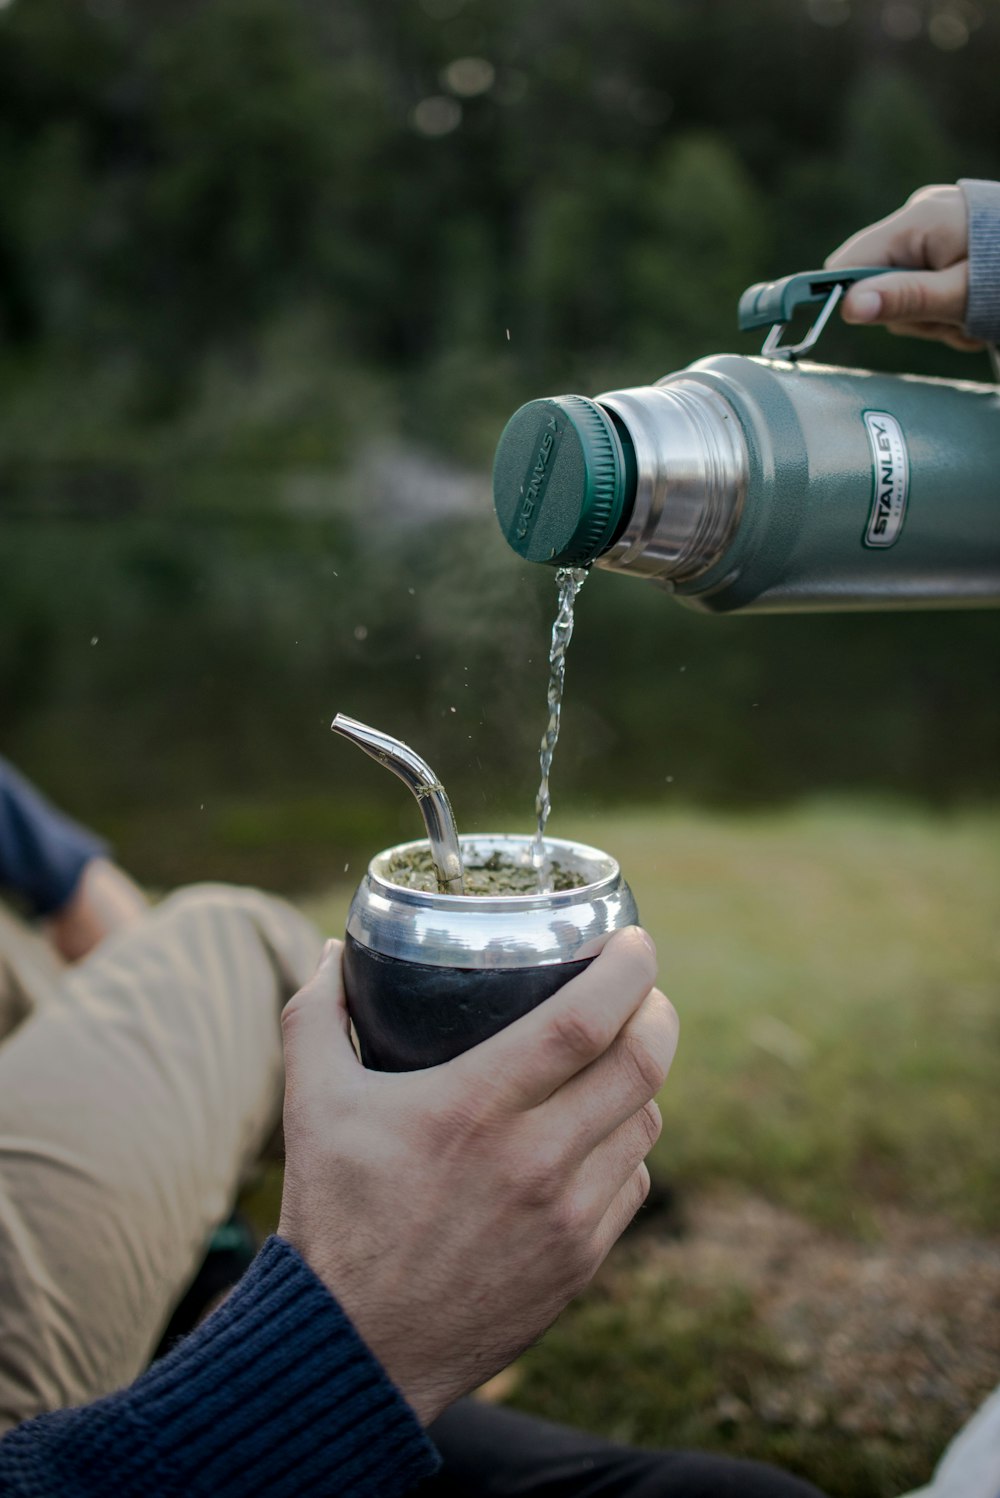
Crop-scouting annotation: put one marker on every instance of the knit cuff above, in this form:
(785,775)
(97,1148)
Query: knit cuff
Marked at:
(275,1393)
(982,316)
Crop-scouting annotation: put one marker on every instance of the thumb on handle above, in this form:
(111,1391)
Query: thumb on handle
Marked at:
(910,296)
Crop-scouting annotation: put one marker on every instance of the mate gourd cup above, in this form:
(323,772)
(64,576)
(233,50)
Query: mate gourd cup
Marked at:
(428,974)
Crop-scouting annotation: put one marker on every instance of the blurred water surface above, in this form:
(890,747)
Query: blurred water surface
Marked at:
(173,646)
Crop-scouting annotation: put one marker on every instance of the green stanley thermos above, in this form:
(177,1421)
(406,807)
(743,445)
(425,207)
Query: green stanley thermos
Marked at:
(767,483)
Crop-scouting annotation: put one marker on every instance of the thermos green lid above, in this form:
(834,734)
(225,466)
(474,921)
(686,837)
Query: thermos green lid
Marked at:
(561,481)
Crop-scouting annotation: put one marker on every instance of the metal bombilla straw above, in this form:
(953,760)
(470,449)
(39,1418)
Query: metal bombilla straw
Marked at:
(432,798)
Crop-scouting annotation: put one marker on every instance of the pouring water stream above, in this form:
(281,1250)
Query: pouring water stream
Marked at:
(569,581)
(417,775)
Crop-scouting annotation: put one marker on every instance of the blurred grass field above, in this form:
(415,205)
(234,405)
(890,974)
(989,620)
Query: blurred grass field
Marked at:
(835,967)
(836,971)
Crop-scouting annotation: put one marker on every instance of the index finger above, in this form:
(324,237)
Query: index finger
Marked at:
(535,1055)
(929,232)
(883,243)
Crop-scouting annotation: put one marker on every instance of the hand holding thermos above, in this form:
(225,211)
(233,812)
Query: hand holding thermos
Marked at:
(925,248)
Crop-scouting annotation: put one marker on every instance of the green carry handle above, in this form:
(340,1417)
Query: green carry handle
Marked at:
(772,304)
(777,301)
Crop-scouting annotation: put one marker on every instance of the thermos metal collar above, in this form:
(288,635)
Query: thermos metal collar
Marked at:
(560,481)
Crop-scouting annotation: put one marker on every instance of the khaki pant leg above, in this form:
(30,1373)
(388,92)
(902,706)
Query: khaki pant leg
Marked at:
(130,1106)
(30,970)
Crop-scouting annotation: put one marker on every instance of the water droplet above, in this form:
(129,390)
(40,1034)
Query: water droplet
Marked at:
(453,709)
(94,639)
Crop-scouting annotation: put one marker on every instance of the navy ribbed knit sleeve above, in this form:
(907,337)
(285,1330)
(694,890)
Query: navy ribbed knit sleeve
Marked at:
(42,851)
(275,1394)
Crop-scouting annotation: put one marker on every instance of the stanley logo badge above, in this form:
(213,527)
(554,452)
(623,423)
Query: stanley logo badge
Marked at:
(891,488)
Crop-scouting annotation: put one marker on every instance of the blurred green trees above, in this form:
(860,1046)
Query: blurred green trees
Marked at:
(597,180)
(242,241)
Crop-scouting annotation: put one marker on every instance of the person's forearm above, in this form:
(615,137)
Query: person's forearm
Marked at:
(105,900)
(274,1394)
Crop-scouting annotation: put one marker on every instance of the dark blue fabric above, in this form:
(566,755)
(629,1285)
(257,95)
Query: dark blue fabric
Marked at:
(275,1394)
(42,851)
